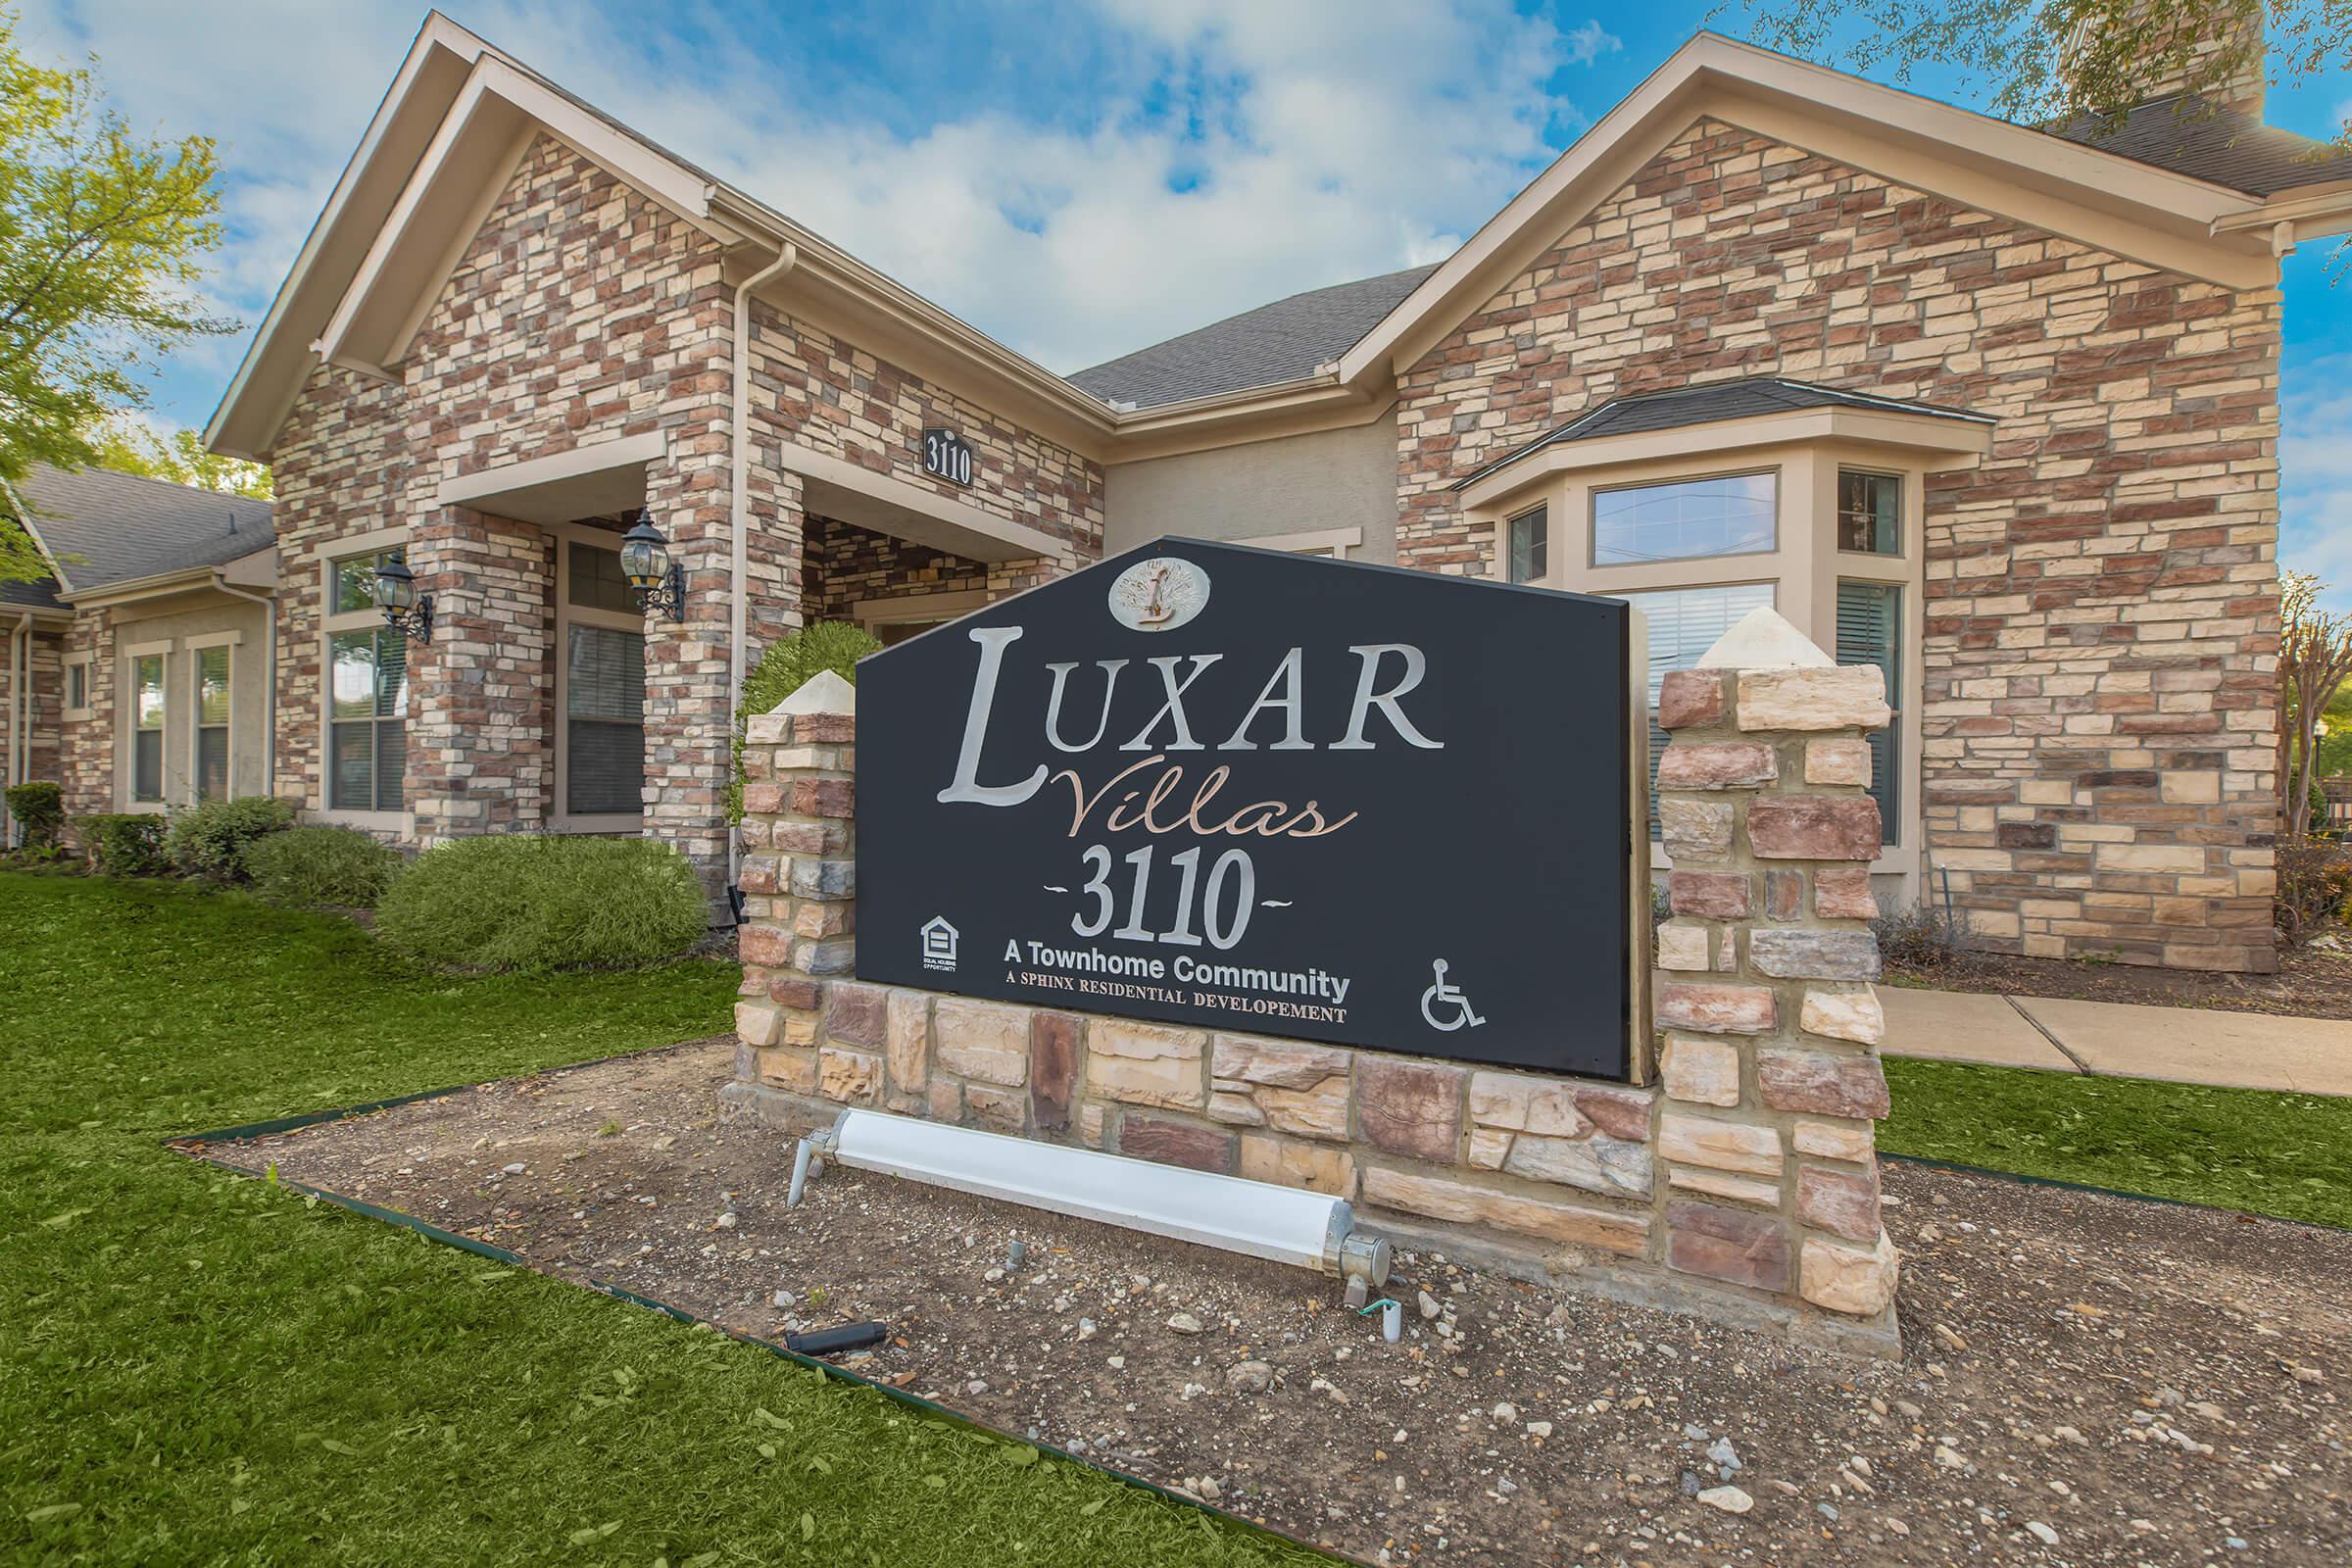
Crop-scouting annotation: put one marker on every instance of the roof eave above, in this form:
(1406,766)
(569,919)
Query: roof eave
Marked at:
(155,584)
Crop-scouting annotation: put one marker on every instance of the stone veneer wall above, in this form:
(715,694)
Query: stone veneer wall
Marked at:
(583,312)
(849,564)
(2101,595)
(1743,1183)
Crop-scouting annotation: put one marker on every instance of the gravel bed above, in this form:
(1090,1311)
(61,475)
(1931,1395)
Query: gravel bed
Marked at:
(2087,1378)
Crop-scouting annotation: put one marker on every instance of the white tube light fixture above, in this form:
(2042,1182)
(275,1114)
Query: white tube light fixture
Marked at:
(1260,1219)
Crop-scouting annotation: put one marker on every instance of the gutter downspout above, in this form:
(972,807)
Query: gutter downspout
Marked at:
(268,603)
(739,506)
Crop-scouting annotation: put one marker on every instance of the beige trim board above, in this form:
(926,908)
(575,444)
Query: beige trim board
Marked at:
(838,488)
(586,481)
(900,608)
(1938,443)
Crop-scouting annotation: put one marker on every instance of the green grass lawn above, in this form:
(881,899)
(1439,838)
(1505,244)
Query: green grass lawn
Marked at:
(200,1368)
(2271,1154)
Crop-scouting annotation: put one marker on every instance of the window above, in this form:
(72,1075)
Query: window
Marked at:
(212,723)
(367,692)
(77,686)
(1870,632)
(595,581)
(1530,546)
(1684,623)
(1870,512)
(147,732)
(1733,516)
(603,705)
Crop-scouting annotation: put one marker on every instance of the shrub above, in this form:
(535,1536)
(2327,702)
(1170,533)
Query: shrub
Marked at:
(2315,888)
(788,665)
(125,843)
(39,812)
(509,902)
(1923,938)
(209,838)
(339,867)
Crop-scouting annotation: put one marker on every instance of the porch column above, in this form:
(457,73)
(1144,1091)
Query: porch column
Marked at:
(480,689)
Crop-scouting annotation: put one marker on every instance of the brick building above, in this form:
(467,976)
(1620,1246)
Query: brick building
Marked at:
(1994,408)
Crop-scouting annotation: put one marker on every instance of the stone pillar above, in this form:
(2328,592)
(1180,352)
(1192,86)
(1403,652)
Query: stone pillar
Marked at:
(479,747)
(1768,1027)
(799,880)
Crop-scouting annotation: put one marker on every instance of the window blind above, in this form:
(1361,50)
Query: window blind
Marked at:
(604,704)
(1684,623)
(1870,632)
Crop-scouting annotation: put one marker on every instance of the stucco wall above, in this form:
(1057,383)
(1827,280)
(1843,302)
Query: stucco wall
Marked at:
(1294,484)
(248,705)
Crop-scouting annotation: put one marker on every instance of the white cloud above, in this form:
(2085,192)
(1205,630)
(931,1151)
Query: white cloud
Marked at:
(1318,140)
(2315,463)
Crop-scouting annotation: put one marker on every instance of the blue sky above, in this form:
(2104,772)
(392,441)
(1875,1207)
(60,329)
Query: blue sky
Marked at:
(1076,179)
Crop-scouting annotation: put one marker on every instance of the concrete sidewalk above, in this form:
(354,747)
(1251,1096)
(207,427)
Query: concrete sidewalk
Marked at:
(2122,1040)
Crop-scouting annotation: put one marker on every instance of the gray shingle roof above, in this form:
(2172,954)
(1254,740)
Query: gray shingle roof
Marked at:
(103,527)
(1702,404)
(40,595)
(2220,146)
(1278,342)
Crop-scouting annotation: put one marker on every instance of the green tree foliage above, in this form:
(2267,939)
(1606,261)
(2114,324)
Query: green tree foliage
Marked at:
(784,668)
(101,236)
(129,444)
(2048,59)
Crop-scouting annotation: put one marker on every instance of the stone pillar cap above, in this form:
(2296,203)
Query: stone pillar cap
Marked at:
(824,692)
(1765,639)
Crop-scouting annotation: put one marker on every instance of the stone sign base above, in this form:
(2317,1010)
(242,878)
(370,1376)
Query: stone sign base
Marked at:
(1739,1183)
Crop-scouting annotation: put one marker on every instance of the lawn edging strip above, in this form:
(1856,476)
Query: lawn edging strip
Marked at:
(198,1145)
(2031,1180)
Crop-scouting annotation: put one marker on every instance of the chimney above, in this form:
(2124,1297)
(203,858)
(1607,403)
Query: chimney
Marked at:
(2219,41)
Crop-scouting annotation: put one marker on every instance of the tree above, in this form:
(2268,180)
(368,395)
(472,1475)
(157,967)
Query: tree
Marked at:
(2055,59)
(101,235)
(132,446)
(2314,657)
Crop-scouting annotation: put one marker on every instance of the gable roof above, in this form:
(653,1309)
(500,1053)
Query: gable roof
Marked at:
(2187,135)
(1283,341)
(432,160)
(1714,401)
(99,528)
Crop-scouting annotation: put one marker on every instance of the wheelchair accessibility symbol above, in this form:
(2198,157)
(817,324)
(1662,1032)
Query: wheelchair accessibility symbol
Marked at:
(1442,1000)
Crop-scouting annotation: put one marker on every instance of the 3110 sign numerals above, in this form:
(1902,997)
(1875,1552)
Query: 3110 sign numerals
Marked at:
(946,455)
(1223,907)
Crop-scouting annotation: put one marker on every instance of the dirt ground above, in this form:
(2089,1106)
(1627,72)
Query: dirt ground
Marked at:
(2087,1378)
(2312,982)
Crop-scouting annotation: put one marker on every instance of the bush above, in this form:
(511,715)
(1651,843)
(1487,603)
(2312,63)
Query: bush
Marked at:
(1922,939)
(40,813)
(125,843)
(338,866)
(510,902)
(2315,888)
(209,838)
(788,665)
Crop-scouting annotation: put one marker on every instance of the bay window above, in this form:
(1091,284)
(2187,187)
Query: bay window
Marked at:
(1734,514)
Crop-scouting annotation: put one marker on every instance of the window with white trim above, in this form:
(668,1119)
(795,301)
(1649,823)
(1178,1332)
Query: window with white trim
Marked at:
(147,727)
(1530,536)
(209,667)
(602,689)
(367,692)
(77,684)
(1731,514)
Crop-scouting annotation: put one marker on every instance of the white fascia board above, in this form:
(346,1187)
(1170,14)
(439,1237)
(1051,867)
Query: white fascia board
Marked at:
(437,37)
(479,142)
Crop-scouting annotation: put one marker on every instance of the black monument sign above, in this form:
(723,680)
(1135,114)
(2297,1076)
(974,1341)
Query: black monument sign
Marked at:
(1234,789)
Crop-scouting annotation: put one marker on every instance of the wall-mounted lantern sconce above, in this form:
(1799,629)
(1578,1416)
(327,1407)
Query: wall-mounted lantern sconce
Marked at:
(660,581)
(405,609)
